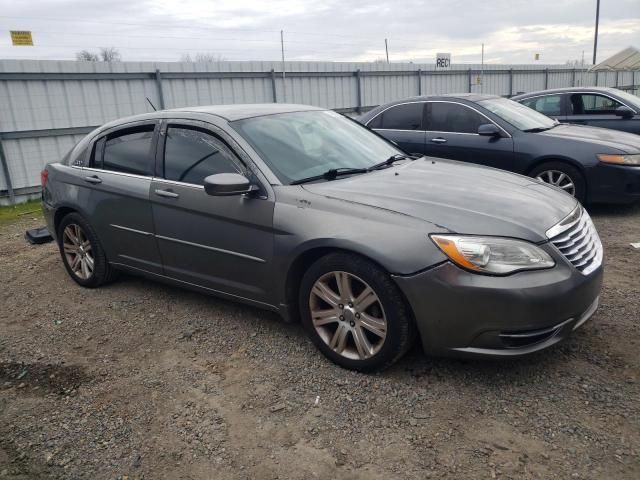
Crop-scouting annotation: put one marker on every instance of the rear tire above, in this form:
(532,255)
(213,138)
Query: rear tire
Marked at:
(562,175)
(354,313)
(82,254)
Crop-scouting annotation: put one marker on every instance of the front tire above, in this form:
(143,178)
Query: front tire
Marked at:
(82,254)
(563,176)
(354,313)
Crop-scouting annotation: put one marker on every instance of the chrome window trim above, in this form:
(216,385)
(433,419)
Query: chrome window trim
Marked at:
(575,93)
(176,182)
(390,107)
(472,108)
(124,174)
(435,131)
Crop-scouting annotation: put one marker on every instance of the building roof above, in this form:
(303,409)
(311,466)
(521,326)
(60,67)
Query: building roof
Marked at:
(627,59)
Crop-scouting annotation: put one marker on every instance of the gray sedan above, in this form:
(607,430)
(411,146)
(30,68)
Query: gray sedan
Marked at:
(304,212)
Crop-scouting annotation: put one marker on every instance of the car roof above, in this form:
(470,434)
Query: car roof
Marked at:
(227,112)
(469,97)
(563,90)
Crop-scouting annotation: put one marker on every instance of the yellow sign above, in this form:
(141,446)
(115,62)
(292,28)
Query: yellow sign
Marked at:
(21,38)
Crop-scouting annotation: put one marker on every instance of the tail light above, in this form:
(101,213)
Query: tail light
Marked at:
(44,177)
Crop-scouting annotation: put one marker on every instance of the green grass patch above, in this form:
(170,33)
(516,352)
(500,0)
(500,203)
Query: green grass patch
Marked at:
(22,210)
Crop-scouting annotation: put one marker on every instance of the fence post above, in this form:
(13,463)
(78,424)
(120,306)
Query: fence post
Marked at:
(470,79)
(573,77)
(359,92)
(617,81)
(273,86)
(596,78)
(546,78)
(510,82)
(159,87)
(419,81)
(5,170)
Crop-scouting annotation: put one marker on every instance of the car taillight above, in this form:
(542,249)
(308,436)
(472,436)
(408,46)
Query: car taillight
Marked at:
(44,176)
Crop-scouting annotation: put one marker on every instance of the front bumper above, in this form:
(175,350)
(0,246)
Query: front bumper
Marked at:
(608,183)
(465,314)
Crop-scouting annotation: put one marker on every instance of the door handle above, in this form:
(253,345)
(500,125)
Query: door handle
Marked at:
(439,140)
(166,193)
(93,179)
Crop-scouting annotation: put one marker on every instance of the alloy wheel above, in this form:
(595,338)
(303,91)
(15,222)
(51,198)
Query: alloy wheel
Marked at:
(558,179)
(77,251)
(348,315)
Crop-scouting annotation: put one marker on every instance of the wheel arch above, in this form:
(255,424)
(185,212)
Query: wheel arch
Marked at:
(62,212)
(305,259)
(556,159)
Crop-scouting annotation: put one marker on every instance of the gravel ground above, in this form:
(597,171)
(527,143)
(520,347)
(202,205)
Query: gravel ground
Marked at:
(142,380)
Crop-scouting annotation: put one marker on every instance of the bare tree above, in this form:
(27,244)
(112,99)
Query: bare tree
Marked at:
(107,54)
(110,54)
(86,56)
(202,57)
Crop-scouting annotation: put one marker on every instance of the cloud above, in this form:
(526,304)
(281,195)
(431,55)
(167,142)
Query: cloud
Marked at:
(330,30)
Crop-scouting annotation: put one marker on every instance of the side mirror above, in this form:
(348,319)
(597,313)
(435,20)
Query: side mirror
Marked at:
(227,184)
(489,130)
(624,112)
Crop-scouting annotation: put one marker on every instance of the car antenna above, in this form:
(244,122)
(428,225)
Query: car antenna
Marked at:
(152,105)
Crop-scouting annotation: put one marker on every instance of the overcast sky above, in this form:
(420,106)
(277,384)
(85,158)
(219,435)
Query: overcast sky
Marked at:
(513,31)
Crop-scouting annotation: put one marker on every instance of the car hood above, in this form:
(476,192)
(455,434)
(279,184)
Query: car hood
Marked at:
(457,197)
(623,141)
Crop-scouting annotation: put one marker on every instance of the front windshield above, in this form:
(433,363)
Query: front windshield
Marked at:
(629,99)
(303,144)
(521,117)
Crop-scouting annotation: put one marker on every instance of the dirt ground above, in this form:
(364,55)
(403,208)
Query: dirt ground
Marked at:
(141,380)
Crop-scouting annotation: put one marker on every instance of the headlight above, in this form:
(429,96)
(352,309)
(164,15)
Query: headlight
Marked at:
(620,159)
(492,255)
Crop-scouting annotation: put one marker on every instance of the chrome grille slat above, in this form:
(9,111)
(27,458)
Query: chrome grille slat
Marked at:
(578,242)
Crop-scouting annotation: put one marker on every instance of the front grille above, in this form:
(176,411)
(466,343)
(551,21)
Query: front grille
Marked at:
(577,239)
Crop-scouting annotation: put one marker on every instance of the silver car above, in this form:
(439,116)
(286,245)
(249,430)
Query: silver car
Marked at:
(305,212)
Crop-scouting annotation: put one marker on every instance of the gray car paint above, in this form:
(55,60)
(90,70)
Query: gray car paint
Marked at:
(247,247)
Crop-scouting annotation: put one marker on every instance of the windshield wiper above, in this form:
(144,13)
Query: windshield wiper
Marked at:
(390,161)
(540,129)
(330,174)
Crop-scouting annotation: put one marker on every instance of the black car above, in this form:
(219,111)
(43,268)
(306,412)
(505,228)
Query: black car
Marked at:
(593,164)
(595,106)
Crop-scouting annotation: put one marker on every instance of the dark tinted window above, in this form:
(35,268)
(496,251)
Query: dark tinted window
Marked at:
(590,104)
(190,155)
(403,117)
(453,117)
(376,122)
(549,104)
(128,151)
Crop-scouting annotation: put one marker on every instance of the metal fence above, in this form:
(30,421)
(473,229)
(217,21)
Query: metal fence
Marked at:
(47,106)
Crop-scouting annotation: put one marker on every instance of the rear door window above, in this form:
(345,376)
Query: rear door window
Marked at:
(548,105)
(453,117)
(192,154)
(126,151)
(593,104)
(403,117)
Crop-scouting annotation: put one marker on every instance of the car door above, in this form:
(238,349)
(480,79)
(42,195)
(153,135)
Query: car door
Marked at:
(598,110)
(223,243)
(402,124)
(118,180)
(452,132)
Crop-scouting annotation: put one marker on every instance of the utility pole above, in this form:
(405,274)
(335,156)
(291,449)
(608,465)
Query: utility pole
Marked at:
(595,38)
(386,47)
(284,84)
(482,70)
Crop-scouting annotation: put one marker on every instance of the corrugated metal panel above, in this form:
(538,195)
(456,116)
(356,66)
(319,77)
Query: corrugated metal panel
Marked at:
(48,103)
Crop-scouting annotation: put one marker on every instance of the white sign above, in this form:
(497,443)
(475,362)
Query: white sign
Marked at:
(443,61)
